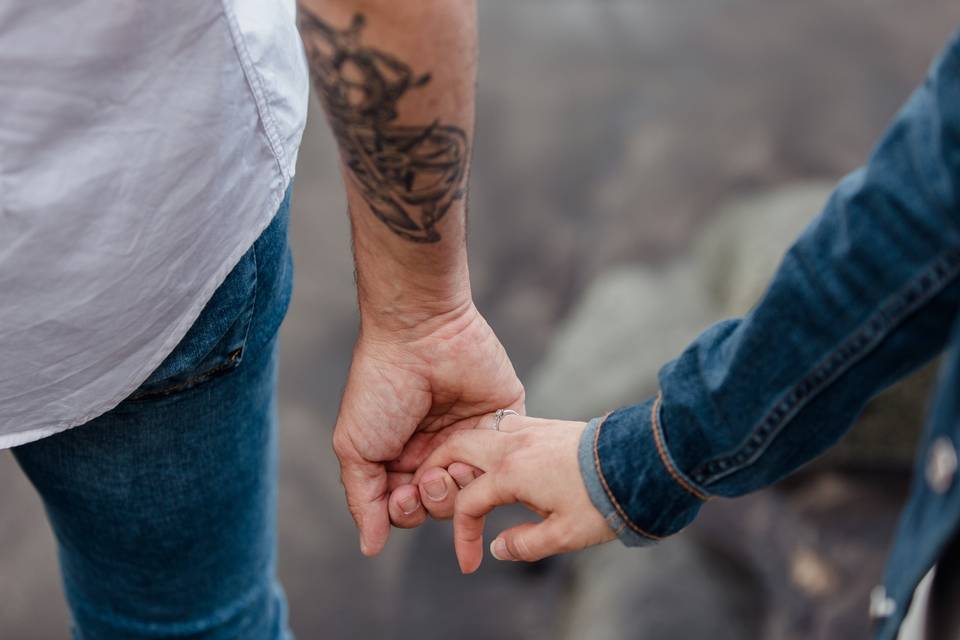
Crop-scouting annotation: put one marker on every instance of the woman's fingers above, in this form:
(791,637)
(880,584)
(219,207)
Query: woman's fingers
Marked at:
(420,445)
(480,448)
(395,480)
(438,492)
(406,509)
(475,501)
(529,542)
(435,495)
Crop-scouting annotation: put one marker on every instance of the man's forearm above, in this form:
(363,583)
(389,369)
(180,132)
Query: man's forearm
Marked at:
(397,83)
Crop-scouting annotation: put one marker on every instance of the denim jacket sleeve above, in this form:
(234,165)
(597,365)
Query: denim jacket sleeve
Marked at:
(866,294)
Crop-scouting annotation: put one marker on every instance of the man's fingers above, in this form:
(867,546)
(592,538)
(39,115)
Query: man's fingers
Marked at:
(366,486)
(406,510)
(475,501)
(529,542)
(395,480)
(438,491)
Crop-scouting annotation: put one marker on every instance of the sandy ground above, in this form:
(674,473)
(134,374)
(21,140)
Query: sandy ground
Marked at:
(607,131)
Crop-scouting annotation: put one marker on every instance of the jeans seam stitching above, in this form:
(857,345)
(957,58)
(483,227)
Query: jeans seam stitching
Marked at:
(219,617)
(606,487)
(867,337)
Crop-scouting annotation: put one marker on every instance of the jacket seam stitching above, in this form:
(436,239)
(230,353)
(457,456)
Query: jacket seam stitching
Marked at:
(606,487)
(665,458)
(857,345)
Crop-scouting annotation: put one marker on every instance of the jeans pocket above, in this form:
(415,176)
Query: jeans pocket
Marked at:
(215,343)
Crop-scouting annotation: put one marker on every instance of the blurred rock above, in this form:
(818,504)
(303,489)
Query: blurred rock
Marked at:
(629,593)
(816,546)
(799,543)
(738,252)
(607,133)
(607,354)
(888,431)
(633,319)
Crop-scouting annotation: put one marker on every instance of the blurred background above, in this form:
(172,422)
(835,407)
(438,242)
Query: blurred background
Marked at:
(652,157)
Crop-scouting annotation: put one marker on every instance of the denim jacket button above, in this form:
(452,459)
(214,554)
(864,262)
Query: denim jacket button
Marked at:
(941,465)
(881,605)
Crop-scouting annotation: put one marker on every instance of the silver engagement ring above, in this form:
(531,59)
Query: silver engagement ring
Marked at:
(499,415)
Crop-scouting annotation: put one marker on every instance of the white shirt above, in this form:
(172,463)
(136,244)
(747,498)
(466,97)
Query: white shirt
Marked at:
(143,148)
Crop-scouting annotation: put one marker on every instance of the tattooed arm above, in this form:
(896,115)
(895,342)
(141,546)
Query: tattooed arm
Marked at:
(402,140)
(396,80)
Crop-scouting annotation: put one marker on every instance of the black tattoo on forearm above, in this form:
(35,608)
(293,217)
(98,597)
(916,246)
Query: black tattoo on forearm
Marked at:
(410,176)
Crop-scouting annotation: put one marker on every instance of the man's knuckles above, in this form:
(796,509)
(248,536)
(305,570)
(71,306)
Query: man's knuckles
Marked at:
(342,446)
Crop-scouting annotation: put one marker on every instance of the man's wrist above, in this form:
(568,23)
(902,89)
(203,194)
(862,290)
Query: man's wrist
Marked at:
(412,309)
(399,289)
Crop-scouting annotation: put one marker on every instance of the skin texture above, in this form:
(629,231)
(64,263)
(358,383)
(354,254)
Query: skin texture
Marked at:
(529,461)
(403,399)
(410,175)
(396,80)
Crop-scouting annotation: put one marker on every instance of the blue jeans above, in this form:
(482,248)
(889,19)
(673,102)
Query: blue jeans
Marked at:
(164,508)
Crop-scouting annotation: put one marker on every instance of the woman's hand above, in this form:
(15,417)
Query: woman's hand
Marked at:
(530,461)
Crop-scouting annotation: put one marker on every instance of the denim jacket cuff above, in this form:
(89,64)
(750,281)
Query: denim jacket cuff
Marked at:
(598,494)
(631,479)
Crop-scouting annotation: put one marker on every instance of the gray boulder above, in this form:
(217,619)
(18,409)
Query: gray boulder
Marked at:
(607,353)
(633,319)
(677,590)
(738,252)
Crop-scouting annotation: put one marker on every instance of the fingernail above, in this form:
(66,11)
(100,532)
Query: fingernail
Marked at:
(436,489)
(409,504)
(498,548)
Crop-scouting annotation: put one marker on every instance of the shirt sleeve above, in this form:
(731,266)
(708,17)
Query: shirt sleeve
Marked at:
(866,294)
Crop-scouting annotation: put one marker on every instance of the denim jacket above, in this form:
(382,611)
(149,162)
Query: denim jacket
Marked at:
(868,293)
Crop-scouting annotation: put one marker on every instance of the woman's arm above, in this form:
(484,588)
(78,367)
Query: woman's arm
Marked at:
(867,293)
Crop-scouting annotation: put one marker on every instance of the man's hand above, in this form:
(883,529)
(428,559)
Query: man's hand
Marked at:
(396,80)
(408,390)
(530,461)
